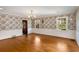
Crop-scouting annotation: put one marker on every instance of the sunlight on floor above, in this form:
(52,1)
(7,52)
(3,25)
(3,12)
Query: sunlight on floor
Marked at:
(37,42)
(62,46)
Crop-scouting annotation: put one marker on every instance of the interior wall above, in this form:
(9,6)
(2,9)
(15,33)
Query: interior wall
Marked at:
(9,22)
(48,26)
(11,25)
(77,27)
(29,25)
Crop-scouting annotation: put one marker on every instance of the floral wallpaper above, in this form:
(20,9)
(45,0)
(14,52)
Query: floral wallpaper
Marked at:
(45,22)
(72,22)
(8,22)
(49,22)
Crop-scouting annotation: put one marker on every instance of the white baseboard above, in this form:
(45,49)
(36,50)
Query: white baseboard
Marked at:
(66,34)
(10,33)
(17,32)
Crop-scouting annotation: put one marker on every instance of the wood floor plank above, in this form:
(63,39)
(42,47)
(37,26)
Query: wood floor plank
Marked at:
(38,43)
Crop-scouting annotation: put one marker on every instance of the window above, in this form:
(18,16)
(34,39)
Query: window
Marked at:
(62,23)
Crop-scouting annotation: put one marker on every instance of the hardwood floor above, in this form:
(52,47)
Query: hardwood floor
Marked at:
(38,43)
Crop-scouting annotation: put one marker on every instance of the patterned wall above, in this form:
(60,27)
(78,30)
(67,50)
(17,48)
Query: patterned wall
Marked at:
(49,22)
(72,22)
(8,22)
(45,22)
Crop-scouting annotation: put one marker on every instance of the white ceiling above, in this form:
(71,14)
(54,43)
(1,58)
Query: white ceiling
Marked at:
(38,10)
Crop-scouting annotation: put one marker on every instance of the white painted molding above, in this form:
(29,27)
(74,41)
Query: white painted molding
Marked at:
(53,32)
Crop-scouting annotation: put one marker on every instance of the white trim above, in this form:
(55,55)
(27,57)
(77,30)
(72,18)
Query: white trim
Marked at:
(66,22)
(54,32)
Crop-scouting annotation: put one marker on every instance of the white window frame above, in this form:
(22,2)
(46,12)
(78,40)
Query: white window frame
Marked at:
(60,18)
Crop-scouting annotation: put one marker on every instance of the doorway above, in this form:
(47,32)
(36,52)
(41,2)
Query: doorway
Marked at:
(24,29)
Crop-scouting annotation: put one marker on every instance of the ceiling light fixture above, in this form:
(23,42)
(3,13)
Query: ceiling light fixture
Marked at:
(31,15)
